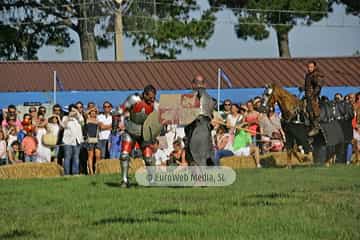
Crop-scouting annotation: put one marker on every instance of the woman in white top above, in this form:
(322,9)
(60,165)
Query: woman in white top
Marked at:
(3,150)
(234,119)
(72,139)
(43,152)
(53,128)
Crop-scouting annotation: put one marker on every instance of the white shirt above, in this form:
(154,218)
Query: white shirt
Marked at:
(2,149)
(107,120)
(11,139)
(43,152)
(233,120)
(72,131)
(53,128)
(173,132)
(160,157)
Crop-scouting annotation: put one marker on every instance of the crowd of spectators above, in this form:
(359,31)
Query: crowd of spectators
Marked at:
(80,137)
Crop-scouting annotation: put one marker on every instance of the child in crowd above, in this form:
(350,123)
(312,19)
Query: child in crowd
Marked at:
(29,144)
(115,138)
(3,152)
(177,156)
(11,136)
(159,155)
(14,153)
(242,146)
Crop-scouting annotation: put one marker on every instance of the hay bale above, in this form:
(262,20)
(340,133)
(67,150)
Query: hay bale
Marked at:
(273,159)
(31,170)
(113,166)
(236,162)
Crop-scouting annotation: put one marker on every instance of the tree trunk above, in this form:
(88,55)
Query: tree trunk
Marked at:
(119,49)
(283,43)
(87,41)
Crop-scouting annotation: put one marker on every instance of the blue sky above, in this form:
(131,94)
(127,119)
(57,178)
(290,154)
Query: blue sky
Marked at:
(325,38)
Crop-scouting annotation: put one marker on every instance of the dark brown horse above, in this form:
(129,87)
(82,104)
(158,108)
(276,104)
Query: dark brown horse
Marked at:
(294,124)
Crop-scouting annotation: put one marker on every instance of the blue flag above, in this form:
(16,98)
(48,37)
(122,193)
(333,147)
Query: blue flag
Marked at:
(59,84)
(226,78)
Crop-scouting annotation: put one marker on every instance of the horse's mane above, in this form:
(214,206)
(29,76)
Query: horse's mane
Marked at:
(287,101)
(289,96)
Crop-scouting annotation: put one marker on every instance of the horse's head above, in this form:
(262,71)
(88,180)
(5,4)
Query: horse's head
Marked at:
(288,103)
(268,98)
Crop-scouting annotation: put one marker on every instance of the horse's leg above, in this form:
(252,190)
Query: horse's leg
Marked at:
(330,156)
(296,154)
(288,158)
(357,151)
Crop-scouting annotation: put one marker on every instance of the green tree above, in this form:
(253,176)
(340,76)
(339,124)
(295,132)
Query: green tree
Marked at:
(161,30)
(164,29)
(352,6)
(32,24)
(263,14)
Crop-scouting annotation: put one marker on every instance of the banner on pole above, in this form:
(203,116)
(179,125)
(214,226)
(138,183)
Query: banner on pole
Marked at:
(181,109)
(226,78)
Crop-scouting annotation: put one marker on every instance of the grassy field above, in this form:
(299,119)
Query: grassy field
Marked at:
(301,203)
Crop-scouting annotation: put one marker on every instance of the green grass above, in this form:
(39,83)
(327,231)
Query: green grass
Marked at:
(302,203)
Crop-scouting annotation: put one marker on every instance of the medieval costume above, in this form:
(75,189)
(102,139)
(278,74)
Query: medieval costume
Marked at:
(139,108)
(198,146)
(313,83)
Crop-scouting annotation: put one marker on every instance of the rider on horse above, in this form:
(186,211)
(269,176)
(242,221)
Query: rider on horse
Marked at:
(313,83)
(199,150)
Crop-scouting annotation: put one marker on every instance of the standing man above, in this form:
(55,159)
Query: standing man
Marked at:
(313,83)
(198,146)
(139,107)
(105,124)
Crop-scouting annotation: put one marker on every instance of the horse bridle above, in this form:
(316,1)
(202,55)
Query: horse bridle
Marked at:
(268,93)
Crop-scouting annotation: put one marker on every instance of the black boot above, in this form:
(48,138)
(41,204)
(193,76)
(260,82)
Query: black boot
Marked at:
(315,130)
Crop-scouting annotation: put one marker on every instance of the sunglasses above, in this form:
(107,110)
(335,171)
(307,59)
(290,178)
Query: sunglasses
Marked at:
(227,104)
(108,106)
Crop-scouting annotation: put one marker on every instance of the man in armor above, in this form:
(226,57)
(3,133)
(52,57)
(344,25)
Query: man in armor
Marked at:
(313,83)
(139,108)
(198,144)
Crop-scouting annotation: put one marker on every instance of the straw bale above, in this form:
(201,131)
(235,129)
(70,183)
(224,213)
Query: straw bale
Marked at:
(31,170)
(113,166)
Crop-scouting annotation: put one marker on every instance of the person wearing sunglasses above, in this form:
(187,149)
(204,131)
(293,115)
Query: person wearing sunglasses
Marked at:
(34,115)
(11,119)
(105,124)
(227,109)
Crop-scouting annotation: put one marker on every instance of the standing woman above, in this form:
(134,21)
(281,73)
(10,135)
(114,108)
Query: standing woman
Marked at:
(3,152)
(72,140)
(91,133)
(53,128)
(252,118)
(43,152)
